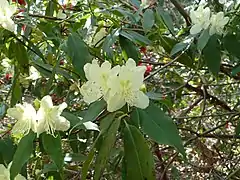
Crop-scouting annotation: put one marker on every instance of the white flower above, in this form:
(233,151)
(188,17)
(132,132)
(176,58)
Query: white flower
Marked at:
(49,117)
(218,21)
(145,3)
(6,63)
(6,12)
(97,84)
(222,1)
(200,19)
(61,15)
(26,118)
(34,74)
(5,173)
(90,92)
(125,88)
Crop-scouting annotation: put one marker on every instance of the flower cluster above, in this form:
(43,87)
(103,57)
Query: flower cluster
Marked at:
(47,119)
(5,173)
(6,12)
(202,19)
(118,85)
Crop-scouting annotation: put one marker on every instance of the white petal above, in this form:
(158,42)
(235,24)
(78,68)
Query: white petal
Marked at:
(20,177)
(86,70)
(62,124)
(115,70)
(16,113)
(195,29)
(90,92)
(142,100)
(61,107)
(106,66)
(46,102)
(115,103)
(212,30)
(4,172)
(131,63)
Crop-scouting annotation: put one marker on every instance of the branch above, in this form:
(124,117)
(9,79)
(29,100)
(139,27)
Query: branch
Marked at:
(181,10)
(214,100)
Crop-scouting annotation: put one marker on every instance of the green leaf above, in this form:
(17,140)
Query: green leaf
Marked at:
(138,158)
(78,52)
(160,127)
(109,41)
(148,19)
(235,70)
(22,154)
(237,129)
(49,168)
(106,146)
(21,57)
(178,47)
(212,55)
(232,43)
(16,88)
(50,8)
(166,18)
(87,163)
(168,43)
(203,40)
(7,150)
(53,147)
(135,37)
(73,119)
(129,48)
(94,110)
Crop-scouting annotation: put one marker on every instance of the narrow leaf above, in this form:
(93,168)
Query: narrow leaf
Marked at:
(129,48)
(138,158)
(212,55)
(178,47)
(78,52)
(22,154)
(203,40)
(135,37)
(53,147)
(148,19)
(106,146)
(160,127)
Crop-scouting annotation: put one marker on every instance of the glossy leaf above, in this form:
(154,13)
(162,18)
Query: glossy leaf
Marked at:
(232,43)
(212,55)
(53,147)
(106,146)
(129,48)
(166,18)
(22,154)
(109,42)
(178,48)
(203,40)
(160,127)
(78,52)
(137,155)
(135,37)
(148,19)
(7,150)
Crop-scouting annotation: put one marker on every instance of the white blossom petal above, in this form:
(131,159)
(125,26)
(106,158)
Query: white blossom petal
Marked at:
(46,102)
(115,102)
(90,92)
